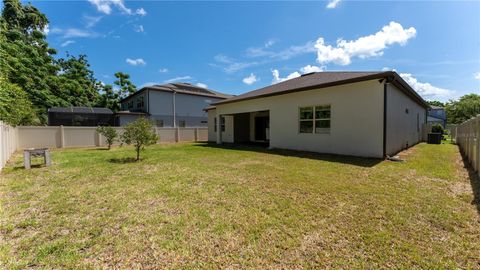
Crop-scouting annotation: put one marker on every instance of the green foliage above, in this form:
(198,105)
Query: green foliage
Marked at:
(463,109)
(109,98)
(437,128)
(436,103)
(126,86)
(109,133)
(15,108)
(140,133)
(75,81)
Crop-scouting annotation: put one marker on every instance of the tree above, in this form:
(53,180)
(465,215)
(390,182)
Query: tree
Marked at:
(435,103)
(126,86)
(109,133)
(15,108)
(26,60)
(109,98)
(140,133)
(466,107)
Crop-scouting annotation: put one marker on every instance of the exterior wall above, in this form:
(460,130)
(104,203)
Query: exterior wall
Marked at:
(124,119)
(189,108)
(134,102)
(227,135)
(403,130)
(356,119)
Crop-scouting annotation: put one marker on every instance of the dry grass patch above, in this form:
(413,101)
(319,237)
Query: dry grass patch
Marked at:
(201,206)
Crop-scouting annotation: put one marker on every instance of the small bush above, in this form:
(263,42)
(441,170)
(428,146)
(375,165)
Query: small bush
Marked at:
(109,133)
(140,133)
(437,128)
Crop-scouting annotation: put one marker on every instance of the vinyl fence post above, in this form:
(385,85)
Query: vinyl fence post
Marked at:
(99,139)
(62,137)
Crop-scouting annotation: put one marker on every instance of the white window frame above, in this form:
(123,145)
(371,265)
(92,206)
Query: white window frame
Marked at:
(314,119)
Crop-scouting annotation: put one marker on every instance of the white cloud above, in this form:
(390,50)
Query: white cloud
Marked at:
(230,65)
(285,54)
(141,12)
(46,29)
(277,78)
(363,47)
(426,90)
(477,75)
(333,3)
(66,43)
(179,78)
(310,69)
(201,85)
(105,6)
(73,33)
(136,62)
(91,21)
(149,84)
(138,28)
(251,79)
(163,70)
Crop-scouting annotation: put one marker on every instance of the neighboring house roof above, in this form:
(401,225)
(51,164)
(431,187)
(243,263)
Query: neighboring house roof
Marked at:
(130,113)
(92,110)
(183,88)
(317,80)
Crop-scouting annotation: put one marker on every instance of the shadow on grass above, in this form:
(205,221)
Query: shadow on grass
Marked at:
(474,181)
(122,160)
(32,166)
(262,148)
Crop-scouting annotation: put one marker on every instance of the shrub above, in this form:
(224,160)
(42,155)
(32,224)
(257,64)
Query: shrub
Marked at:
(109,133)
(437,128)
(140,133)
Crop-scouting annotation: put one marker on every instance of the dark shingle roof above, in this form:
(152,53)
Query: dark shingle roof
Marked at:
(317,80)
(93,110)
(184,88)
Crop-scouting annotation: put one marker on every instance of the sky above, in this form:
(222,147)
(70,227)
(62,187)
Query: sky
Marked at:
(238,46)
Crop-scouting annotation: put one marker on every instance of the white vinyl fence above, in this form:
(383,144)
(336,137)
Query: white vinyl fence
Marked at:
(13,139)
(465,136)
(8,143)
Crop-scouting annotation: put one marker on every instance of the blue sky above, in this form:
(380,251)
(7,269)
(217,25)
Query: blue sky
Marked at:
(238,46)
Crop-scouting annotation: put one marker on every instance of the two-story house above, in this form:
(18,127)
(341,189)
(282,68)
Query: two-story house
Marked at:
(437,115)
(170,105)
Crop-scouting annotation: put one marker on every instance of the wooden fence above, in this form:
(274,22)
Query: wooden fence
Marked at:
(13,139)
(465,136)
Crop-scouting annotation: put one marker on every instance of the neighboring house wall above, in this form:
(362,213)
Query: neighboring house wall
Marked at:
(356,119)
(189,108)
(405,119)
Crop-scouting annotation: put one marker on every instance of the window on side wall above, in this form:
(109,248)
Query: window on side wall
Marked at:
(182,123)
(315,119)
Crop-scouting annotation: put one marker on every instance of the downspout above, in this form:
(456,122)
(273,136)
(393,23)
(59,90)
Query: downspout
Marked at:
(174,110)
(385,110)
(385,119)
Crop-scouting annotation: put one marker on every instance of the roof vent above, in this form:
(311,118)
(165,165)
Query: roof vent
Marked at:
(306,74)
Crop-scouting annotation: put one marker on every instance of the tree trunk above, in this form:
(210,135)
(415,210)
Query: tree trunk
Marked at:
(138,153)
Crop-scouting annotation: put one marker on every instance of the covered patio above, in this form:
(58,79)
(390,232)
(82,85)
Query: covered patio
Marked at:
(243,128)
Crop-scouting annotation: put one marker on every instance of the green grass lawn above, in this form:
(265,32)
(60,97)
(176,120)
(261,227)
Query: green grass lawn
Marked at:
(199,206)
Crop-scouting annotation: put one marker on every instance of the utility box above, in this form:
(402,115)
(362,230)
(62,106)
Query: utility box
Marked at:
(434,138)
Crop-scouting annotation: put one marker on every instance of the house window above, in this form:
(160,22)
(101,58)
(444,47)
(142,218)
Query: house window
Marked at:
(182,123)
(159,123)
(314,119)
(222,124)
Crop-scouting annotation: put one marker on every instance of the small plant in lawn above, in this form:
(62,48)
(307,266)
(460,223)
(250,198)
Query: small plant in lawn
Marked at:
(109,133)
(140,133)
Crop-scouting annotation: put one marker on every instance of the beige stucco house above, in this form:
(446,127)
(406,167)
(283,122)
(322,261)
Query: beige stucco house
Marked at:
(368,114)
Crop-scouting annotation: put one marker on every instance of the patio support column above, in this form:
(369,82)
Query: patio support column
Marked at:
(219,128)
